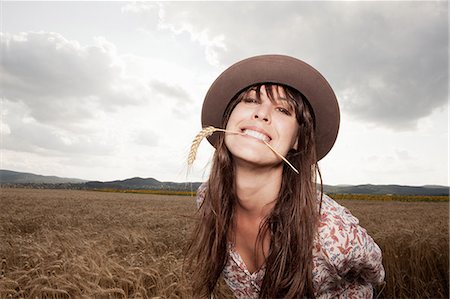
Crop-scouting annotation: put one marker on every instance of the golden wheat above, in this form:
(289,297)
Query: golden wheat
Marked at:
(97,243)
(205,132)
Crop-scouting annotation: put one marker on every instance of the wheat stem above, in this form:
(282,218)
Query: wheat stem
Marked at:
(281,156)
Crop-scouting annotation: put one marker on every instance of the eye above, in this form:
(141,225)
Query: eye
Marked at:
(250,100)
(284,110)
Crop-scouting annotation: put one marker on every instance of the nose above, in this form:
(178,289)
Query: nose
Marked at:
(262,113)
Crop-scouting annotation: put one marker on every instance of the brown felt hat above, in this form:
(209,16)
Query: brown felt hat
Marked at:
(279,69)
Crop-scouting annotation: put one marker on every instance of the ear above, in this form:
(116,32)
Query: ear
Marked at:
(297,133)
(295,146)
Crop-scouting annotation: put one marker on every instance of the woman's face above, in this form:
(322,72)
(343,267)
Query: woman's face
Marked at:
(273,121)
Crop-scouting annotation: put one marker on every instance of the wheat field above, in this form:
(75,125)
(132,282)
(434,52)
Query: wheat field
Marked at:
(86,244)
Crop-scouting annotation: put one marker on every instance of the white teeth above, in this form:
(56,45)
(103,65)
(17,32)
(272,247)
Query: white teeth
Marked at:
(257,135)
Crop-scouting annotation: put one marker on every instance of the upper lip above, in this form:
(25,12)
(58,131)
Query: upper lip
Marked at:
(257,129)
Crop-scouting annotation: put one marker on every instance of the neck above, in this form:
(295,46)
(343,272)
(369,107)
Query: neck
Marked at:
(257,189)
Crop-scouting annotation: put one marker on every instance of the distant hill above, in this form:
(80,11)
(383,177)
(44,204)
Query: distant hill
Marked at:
(140,183)
(13,178)
(389,189)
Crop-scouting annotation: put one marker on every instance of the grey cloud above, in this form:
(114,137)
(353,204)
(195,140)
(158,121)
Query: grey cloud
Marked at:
(387,61)
(46,140)
(25,134)
(55,90)
(46,64)
(170,90)
(61,80)
(181,111)
(182,97)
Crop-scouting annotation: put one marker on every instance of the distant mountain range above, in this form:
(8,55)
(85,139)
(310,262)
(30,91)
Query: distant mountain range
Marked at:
(140,183)
(13,178)
(388,189)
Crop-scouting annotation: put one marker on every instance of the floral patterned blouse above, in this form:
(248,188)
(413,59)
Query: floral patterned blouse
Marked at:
(346,260)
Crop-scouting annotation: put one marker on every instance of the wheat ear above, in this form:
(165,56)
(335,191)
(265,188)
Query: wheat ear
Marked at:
(281,156)
(207,131)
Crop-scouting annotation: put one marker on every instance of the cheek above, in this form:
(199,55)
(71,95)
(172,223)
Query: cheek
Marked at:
(293,132)
(236,116)
(230,125)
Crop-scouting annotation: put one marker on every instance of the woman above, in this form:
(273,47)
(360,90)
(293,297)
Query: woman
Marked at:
(262,225)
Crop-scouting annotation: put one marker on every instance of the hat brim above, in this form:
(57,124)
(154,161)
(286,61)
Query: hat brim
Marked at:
(278,69)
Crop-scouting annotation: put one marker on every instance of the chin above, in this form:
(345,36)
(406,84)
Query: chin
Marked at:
(251,155)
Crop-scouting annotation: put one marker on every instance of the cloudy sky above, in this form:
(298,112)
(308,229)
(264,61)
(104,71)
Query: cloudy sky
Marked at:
(112,90)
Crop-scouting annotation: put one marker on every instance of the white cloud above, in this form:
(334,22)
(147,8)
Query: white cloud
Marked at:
(26,134)
(364,153)
(178,19)
(60,80)
(146,137)
(64,98)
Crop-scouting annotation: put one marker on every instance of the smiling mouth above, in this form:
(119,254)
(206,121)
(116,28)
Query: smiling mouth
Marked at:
(257,135)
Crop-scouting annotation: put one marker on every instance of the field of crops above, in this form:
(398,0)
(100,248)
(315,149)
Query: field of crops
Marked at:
(85,244)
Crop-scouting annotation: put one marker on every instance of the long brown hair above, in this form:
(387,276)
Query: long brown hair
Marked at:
(291,224)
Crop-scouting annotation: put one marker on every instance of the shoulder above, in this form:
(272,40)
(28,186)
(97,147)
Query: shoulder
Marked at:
(332,213)
(335,231)
(338,230)
(343,246)
(201,191)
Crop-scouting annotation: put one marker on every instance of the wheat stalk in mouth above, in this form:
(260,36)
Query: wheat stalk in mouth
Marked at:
(281,156)
(208,131)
